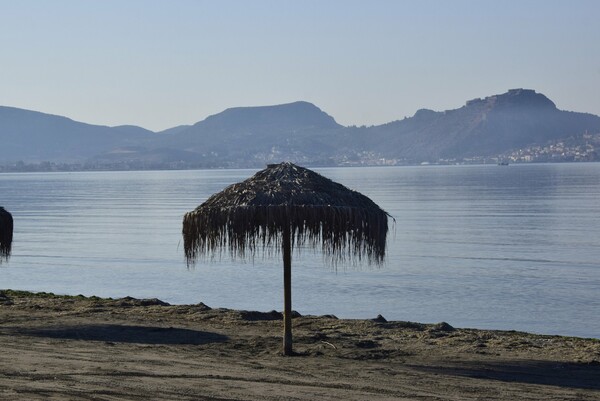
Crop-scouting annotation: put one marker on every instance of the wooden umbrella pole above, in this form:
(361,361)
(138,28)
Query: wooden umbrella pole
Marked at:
(287,291)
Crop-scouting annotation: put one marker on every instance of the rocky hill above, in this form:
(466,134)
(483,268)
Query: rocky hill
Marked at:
(482,127)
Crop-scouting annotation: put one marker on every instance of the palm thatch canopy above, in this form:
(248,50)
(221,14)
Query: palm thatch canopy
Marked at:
(254,213)
(6,233)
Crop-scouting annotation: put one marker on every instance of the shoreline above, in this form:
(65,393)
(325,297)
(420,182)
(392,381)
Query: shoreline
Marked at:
(66,347)
(33,293)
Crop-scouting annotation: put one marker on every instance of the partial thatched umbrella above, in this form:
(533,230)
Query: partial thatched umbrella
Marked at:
(6,233)
(283,206)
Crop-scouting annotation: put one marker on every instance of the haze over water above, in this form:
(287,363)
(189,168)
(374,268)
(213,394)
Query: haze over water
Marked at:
(511,247)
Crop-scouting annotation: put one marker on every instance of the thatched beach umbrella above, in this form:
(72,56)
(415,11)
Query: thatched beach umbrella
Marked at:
(6,233)
(281,207)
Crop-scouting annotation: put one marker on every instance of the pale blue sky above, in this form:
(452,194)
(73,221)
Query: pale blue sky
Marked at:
(158,64)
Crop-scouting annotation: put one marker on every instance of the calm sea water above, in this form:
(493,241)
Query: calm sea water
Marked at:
(514,247)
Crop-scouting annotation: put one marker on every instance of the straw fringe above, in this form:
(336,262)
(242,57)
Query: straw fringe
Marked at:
(6,233)
(251,215)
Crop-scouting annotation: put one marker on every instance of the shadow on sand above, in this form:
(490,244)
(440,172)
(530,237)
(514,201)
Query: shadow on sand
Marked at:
(127,334)
(571,375)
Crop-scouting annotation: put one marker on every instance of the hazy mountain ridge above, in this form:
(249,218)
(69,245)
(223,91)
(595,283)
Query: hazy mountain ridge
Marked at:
(255,134)
(299,132)
(33,137)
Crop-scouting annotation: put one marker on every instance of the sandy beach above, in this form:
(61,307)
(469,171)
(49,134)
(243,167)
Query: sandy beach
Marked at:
(78,348)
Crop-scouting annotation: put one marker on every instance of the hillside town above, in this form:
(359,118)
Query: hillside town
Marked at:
(583,148)
(580,148)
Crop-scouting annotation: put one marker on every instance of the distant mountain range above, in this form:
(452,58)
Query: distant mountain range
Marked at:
(298,132)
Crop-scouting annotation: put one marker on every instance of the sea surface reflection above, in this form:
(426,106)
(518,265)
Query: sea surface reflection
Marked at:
(513,247)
